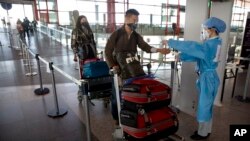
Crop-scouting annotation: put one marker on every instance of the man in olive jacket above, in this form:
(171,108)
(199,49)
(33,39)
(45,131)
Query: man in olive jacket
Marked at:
(124,40)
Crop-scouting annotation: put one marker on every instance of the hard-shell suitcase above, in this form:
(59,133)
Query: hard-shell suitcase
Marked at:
(143,125)
(95,69)
(146,93)
(98,87)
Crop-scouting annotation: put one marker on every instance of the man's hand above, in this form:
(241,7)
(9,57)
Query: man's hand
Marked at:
(116,69)
(163,50)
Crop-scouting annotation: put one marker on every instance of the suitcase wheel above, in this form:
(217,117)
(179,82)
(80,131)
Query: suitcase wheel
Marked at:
(79,97)
(106,102)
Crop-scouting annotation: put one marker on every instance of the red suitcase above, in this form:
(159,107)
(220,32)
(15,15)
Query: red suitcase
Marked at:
(143,125)
(146,93)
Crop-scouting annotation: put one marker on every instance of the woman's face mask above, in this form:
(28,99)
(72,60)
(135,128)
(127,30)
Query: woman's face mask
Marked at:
(84,24)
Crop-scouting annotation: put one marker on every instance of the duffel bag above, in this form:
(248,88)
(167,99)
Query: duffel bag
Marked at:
(95,69)
(146,93)
(143,125)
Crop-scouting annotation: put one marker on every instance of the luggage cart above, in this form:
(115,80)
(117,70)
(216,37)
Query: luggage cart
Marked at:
(98,88)
(118,134)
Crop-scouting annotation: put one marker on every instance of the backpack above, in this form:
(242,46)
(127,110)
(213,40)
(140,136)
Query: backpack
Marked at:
(128,61)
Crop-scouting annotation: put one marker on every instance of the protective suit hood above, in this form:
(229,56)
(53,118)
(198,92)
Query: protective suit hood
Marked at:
(216,23)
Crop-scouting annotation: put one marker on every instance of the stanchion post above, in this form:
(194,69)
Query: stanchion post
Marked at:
(17,42)
(176,109)
(21,47)
(58,112)
(41,90)
(118,133)
(29,65)
(141,57)
(84,88)
(10,38)
(172,76)
(24,54)
(66,37)
(60,37)
(150,57)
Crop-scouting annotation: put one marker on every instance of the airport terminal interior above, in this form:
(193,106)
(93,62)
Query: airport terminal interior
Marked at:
(40,81)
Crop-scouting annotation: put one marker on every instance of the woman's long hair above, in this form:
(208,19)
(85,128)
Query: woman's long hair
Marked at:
(79,26)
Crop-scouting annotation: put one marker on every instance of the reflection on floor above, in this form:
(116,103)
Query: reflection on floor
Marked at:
(23,115)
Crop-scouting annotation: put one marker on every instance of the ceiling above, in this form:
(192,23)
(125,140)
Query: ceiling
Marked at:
(18,1)
(239,2)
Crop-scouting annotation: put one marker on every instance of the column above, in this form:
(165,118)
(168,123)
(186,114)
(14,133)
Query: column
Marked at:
(196,13)
(222,10)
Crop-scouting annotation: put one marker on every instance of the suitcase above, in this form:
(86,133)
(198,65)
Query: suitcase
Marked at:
(144,125)
(146,93)
(100,87)
(99,81)
(94,69)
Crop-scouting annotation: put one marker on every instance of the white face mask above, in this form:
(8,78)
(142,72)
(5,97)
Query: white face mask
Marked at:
(204,35)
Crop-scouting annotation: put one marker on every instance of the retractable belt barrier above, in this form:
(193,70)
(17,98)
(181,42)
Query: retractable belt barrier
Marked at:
(26,57)
(58,112)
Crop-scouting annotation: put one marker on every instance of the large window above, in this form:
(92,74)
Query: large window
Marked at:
(47,10)
(151,12)
(18,11)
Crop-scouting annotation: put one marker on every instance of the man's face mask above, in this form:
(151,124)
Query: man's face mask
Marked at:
(132,26)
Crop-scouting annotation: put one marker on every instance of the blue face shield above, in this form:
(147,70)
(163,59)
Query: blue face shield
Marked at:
(204,34)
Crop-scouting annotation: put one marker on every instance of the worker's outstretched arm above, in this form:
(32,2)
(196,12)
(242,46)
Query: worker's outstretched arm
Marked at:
(190,48)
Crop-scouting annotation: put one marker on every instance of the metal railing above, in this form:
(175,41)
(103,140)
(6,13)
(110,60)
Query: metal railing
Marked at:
(63,36)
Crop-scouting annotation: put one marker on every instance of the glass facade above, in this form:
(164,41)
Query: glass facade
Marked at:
(47,11)
(18,11)
(96,10)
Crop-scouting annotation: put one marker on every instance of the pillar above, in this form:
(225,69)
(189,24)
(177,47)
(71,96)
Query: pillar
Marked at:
(222,10)
(196,13)
(111,16)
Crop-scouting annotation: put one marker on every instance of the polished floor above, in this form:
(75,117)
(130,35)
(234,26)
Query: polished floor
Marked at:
(23,115)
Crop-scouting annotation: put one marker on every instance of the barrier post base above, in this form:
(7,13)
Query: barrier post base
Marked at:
(241,99)
(40,91)
(31,74)
(118,135)
(60,113)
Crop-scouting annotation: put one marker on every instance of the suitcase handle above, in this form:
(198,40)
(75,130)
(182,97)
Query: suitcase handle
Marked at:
(148,124)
